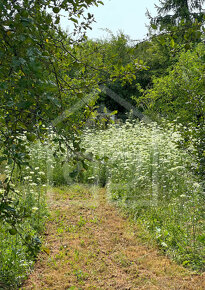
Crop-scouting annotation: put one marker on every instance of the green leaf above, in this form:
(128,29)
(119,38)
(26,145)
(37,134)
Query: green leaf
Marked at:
(31,137)
(12,231)
(56,9)
(113,113)
(154,26)
(74,20)
(172,43)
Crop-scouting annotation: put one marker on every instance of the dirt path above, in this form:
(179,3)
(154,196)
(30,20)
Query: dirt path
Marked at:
(89,245)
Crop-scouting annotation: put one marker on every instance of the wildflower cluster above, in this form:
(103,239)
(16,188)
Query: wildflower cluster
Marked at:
(22,215)
(147,174)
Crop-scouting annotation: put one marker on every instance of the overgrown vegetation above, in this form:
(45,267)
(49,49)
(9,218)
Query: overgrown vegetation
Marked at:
(51,90)
(147,174)
(23,216)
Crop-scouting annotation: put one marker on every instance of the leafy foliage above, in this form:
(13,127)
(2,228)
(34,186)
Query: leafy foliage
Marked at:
(125,68)
(45,72)
(34,81)
(180,96)
(180,93)
(178,23)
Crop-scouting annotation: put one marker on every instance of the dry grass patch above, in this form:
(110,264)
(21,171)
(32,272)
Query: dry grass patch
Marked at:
(89,245)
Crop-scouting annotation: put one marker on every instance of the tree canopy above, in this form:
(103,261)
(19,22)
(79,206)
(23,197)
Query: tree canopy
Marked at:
(173,11)
(46,73)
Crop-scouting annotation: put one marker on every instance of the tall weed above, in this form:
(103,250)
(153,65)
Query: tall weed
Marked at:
(22,216)
(147,174)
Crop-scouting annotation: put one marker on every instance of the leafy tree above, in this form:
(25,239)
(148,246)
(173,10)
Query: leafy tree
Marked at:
(179,95)
(33,77)
(32,50)
(45,76)
(179,22)
(123,68)
(37,83)
(155,57)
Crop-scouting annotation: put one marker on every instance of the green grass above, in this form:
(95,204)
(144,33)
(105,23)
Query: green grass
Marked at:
(20,240)
(23,212)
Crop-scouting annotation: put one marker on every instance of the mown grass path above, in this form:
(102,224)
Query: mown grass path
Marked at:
(90,245)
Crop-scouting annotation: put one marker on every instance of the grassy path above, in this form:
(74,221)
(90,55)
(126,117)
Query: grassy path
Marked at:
(89,245)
